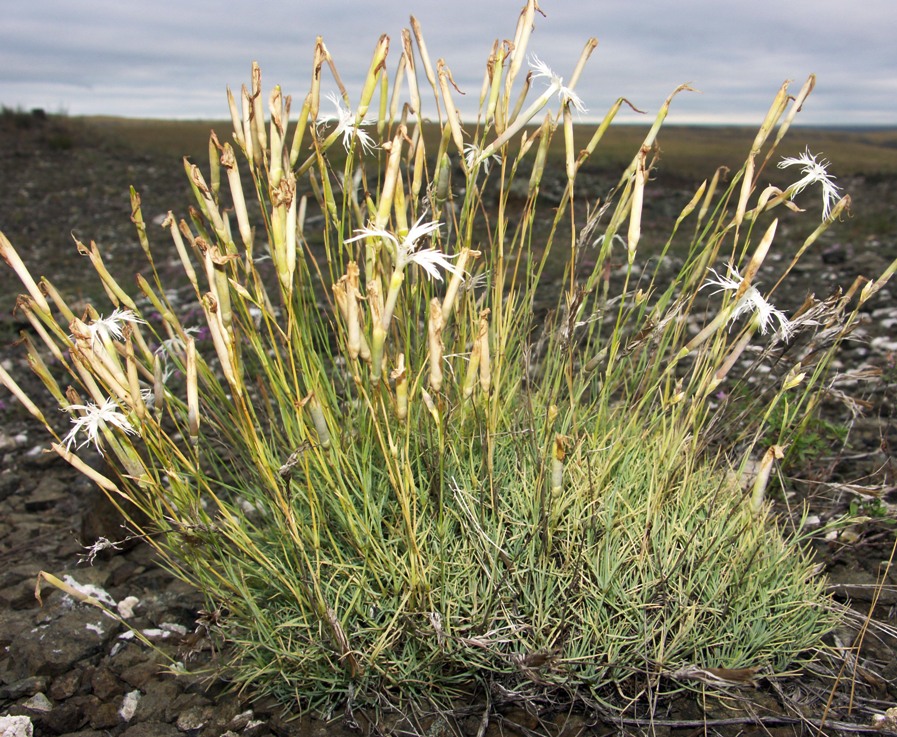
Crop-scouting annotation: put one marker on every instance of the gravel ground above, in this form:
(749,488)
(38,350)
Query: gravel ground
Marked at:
(66,668)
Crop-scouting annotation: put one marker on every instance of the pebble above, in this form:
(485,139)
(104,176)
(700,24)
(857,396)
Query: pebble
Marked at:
(105,684)
(24,687)
(105,716)
(884,345)
(18,726)
(126,607)
(47,494)
(95,592)
(66,685)
(193,719)
(39,702)
(129,705)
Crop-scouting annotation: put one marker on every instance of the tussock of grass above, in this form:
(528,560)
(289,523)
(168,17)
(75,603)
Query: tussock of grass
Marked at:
(620,582)
(518,477)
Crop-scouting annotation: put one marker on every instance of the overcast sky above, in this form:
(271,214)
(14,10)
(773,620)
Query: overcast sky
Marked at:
(172,59)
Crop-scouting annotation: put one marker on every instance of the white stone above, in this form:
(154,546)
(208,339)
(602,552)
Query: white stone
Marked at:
(174,628)
(129,705)
(39,702)
(884,345)
(126,607)
(88,589)
(16,727)
(153,633)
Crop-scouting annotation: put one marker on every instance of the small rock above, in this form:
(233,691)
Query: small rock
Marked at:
(25,687)
(129,705)
(193,719)
(17,586)
(884,345)
(105,716)
(125,572)
(255,728)
(152,729)
(241,720)
(66,685)
(7,442)
(41,457)
(9,484)
(103,519)
(90,584)
(157,700)
(137,675)
(16,727)
(39,702)
(886,721)
(86,704)
(126,607)
(19,596)
(174,628)
(859,585)
(105,684)
(49,492)
(65,717)
(54,647)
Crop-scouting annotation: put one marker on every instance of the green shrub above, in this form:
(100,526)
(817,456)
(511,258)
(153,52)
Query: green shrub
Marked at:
(401,461)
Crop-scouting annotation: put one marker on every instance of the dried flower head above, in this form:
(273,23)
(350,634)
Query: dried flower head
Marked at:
(98,547)
(814,173)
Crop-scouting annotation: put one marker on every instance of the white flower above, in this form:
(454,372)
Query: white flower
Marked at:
(477,282)
(431,260)
(814,173)
(175,344)
(105,328)
(92,421)
(472,156)
(406,251)
(349,129)
(99,546)
(566,95)
(751,302)
(599,241)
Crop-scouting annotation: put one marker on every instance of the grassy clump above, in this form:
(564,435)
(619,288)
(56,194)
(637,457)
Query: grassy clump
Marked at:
(432,438)
(622,580)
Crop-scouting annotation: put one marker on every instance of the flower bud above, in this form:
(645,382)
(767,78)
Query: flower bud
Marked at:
(434,334)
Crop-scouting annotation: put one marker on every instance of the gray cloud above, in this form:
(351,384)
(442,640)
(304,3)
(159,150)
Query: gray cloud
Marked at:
(173,59)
